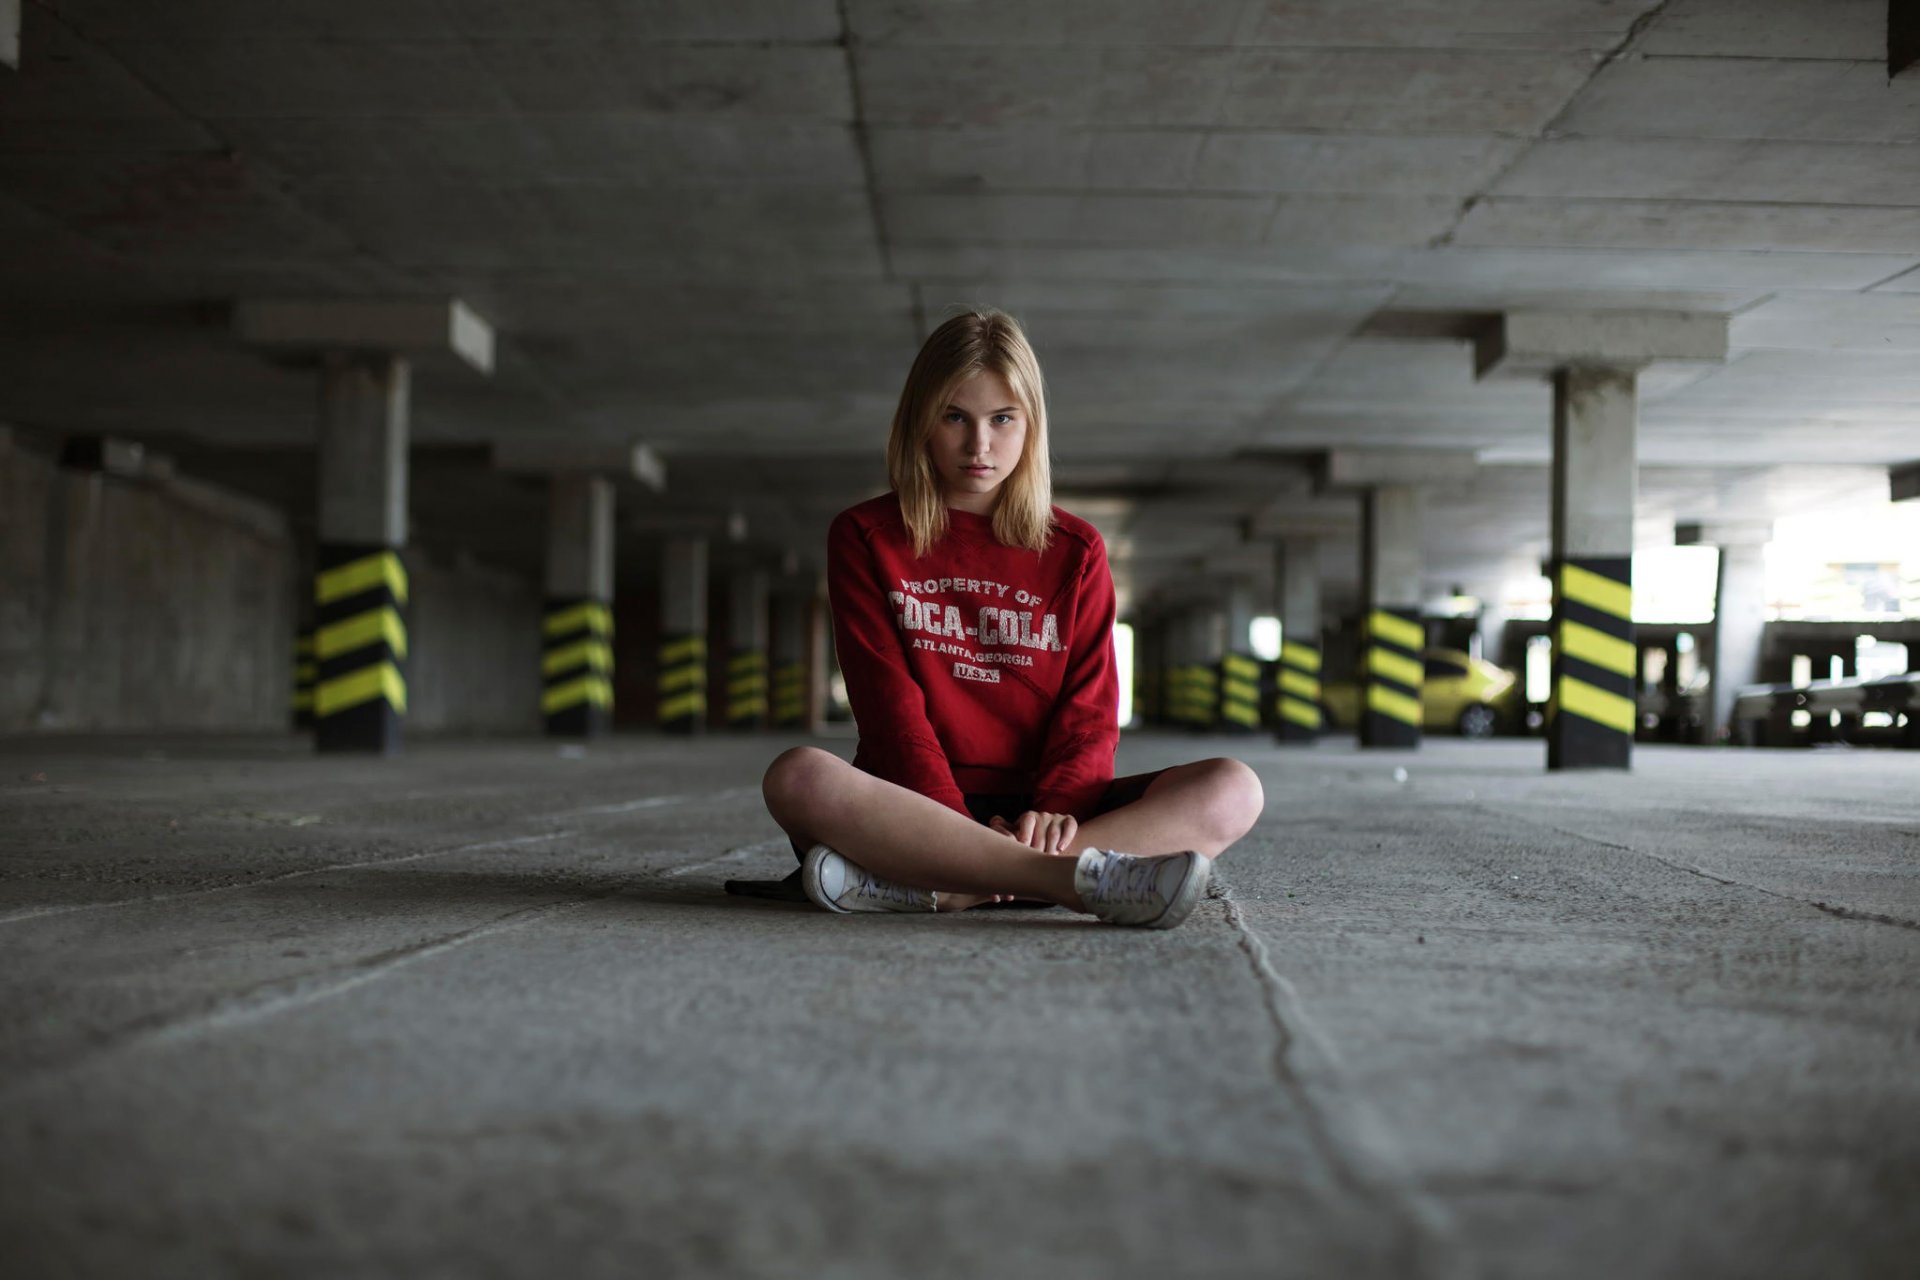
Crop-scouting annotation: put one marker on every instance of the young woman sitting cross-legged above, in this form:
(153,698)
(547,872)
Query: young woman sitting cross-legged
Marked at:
(973,622)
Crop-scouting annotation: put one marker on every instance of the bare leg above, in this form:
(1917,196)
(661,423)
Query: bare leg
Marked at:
(1206,806)
(905,837)
(818,798)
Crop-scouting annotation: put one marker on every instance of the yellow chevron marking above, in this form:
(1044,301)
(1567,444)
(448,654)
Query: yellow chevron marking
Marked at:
(1236,665)
(1596,591)
(1578,640)
(1579,698)
(1306,686)
(1396,631)
(360,575)
(343,693)
(1396,706)
(588,615)
(693,703)
(683,678)
(1397,667)
(595,655)
(1303,656)
(305,672)
(1240,713)
(746,687)
(685,649)
(597,690)
(303,645)
(747,662)
(1304,714)
(303,699)
(360,630)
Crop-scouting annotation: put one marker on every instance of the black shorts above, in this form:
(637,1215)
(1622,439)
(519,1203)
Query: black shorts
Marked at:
(1119,793)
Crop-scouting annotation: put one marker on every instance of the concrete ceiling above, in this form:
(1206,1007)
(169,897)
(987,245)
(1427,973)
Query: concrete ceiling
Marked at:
(721,226)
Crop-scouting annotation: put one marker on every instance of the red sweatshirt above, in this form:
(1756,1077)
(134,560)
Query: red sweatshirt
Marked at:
(977,668)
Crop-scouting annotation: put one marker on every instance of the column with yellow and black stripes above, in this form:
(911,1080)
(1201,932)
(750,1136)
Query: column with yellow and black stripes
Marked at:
(1239,693)
(360,584)
(1237,671)
(791,697)
(1591,708)
(576,667)
(747,647)
(576,658)
(304,671)
(1392,669)
(1297,694)
(359,648)
(682,668)
(1297,713)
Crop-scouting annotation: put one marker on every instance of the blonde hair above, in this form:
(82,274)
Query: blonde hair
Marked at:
(971,343)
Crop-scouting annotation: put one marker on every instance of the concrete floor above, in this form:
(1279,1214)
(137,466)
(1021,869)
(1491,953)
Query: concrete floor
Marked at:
(485,1012)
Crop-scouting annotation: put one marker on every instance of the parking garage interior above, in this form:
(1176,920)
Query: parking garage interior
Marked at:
(419,428)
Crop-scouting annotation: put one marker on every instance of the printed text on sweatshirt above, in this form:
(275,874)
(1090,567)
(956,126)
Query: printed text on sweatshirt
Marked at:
(978,667)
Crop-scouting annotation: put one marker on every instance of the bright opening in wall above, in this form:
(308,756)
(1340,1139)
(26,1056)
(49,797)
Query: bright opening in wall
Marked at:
(1539,671)
(1123,664)
(1264,637)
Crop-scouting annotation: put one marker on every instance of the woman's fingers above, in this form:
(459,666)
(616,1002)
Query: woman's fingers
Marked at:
(1029,827)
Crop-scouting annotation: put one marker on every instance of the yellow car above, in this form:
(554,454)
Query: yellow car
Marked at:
(1461,693)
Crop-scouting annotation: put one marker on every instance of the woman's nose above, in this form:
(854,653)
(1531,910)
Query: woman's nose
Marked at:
(977,437)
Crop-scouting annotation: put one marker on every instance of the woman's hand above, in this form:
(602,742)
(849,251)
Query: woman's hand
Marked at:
(1047,832)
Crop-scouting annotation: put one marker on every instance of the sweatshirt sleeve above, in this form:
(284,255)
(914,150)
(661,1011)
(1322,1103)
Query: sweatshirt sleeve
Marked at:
(889,705)
(1076,761)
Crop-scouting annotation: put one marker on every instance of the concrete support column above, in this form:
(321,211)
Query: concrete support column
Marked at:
(1298,710)
(360,585)
(1208,633)
(305,669)
(792,695)
(1191,680)
(1739,629)
(683,635)
(747,645)
(1593,358)
(1739,613)
(1392,568)
(577,662)
(1592,710)
(1238,708)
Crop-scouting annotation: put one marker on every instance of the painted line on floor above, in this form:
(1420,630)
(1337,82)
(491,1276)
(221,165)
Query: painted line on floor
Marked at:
(1835,909)
(654,802)
(285,995)
(1353,1140)
(628,806)
(741,854)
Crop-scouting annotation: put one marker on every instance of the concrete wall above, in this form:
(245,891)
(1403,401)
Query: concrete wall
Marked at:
(474,648)
(138,603)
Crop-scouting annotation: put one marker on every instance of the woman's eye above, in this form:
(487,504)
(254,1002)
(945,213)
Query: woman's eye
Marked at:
(1002,419)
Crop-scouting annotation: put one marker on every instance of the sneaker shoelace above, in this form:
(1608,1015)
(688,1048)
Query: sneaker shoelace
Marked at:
(872,886)
(1126,881)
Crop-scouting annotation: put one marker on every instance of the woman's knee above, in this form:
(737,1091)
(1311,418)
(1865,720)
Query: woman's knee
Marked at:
(1237,797)
(797,777)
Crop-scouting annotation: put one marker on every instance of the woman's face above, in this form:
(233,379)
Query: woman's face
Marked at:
(977,441)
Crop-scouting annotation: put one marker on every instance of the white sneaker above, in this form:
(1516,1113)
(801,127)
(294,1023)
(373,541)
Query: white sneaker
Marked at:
(1157,892)
(838,883)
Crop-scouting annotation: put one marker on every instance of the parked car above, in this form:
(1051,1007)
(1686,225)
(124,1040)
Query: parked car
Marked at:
(1462,694)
